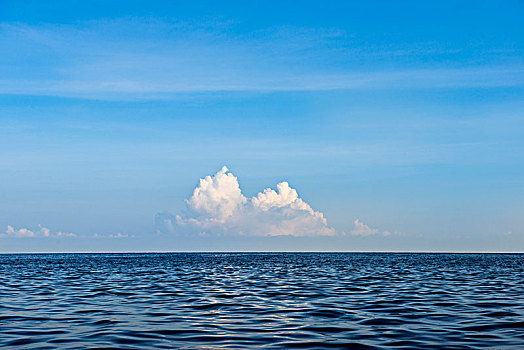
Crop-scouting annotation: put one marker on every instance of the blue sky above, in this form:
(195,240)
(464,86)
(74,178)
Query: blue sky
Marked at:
(407,116)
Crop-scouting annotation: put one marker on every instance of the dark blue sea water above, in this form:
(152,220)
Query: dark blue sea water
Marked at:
(361,301)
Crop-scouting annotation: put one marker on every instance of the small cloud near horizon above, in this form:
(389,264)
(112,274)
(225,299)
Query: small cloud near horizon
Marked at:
(112,235)
(23,232)
(361,229)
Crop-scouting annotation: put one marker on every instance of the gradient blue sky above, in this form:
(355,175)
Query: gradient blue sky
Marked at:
(406,115)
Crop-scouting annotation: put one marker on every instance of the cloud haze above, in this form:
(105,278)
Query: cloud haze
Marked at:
(361,229)
(218,207)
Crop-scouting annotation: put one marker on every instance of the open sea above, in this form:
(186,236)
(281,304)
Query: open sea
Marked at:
(270,300)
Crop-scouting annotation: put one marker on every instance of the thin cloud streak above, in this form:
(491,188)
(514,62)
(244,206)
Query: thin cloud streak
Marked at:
(144,89)
(139,59)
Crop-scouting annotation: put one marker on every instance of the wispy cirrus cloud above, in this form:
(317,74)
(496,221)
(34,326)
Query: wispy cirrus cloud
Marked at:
(150,59)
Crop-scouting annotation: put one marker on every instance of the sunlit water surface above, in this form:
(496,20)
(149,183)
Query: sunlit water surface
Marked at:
(130,301)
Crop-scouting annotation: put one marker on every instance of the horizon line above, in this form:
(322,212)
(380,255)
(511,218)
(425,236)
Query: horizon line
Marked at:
(268,252)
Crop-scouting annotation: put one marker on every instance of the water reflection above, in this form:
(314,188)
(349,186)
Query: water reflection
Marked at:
(271,300)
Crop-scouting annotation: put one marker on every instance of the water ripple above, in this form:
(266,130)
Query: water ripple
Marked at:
(309,300)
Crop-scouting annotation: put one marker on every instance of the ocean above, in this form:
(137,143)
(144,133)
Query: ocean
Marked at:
(269,300)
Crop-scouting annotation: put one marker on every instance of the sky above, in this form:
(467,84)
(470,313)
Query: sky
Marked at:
(261,126)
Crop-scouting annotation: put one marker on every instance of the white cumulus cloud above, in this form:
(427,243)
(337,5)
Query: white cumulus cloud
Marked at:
(218,207)
(218,197)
